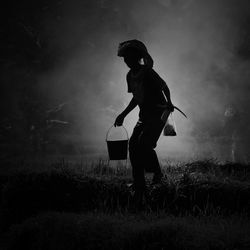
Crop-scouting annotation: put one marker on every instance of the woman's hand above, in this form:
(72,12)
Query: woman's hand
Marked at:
(171,107)
(168,106)
(119,120)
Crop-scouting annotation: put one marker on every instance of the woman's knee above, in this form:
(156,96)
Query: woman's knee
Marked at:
(133,143)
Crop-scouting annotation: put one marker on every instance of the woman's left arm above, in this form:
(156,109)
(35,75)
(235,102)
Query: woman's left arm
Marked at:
(161,84)
(166,92)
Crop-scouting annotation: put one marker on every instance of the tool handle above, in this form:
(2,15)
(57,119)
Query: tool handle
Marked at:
(114,126)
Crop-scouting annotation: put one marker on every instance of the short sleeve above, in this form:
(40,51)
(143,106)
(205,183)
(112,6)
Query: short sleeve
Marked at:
(129,82)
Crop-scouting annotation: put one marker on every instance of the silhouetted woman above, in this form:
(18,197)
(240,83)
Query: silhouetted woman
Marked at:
(148,90)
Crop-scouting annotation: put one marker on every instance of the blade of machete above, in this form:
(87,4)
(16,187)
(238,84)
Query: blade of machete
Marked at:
(180,111)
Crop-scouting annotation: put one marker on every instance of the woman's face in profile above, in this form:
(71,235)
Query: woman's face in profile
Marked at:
(132,60)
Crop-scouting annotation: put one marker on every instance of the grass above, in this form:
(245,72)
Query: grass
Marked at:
(199,205)
(143,231)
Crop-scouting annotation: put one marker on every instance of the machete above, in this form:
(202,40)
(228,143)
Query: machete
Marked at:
(180,111)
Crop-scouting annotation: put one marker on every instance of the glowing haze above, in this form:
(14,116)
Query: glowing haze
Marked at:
(194,45)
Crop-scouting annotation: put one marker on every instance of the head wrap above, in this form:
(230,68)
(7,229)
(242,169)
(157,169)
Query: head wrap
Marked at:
(136,45)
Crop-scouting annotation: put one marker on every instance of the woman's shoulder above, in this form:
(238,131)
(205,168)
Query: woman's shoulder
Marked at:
(150,73)
(147,72)
(153,77)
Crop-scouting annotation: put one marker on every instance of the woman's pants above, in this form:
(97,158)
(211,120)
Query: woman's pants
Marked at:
(141,150)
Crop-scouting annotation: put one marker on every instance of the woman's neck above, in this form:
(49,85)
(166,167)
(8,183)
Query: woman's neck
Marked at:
(135,70)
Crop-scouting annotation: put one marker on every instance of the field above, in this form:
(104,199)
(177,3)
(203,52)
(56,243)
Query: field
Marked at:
(61,204)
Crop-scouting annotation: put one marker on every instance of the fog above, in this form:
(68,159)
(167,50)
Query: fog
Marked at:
(196,47)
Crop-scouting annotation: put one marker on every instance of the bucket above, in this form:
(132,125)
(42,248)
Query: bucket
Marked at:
(117,149)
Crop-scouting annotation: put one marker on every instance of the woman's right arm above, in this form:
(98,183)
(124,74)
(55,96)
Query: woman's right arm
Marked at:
(120,118)
(132,104)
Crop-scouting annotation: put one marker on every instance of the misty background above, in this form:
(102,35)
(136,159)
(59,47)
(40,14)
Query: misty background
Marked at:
(62,82)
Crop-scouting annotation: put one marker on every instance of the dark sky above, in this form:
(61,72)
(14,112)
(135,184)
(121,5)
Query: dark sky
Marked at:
(65,52)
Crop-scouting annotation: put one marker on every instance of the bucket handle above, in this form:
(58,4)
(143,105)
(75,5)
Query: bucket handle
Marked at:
(112,127)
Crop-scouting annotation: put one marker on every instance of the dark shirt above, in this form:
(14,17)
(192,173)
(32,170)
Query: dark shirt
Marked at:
(146,87)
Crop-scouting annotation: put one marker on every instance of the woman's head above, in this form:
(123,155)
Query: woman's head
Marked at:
(133,51)
(132,57)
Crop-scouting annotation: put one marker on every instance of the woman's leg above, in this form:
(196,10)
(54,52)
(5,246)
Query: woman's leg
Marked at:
(136,157)
(147,142)
(142,154)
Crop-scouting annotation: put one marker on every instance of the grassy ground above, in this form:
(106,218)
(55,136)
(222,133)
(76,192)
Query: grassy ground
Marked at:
(73,231)
(199,205)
